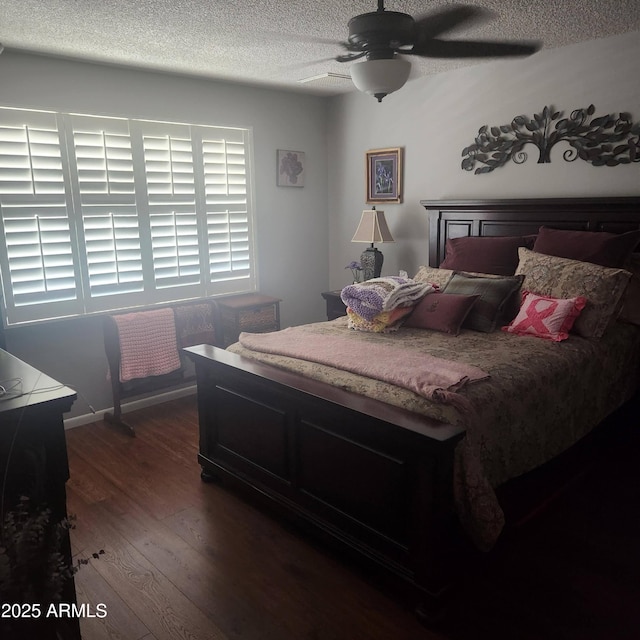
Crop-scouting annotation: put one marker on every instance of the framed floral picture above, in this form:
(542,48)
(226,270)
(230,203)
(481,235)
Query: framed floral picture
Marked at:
(384,175)
(290,168)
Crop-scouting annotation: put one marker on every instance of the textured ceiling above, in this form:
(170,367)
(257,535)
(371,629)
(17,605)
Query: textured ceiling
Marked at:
(273,42)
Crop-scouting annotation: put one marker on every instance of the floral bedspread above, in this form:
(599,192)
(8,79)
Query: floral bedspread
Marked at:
(541,398)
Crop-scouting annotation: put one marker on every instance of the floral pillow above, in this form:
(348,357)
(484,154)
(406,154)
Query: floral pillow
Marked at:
(630,311)
(436,277)
(564,278)
(546,317)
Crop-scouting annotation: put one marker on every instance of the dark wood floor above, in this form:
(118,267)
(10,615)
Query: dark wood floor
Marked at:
(188,560)
(184,559)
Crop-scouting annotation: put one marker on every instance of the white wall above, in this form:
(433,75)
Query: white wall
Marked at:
(292,224)
(435,117)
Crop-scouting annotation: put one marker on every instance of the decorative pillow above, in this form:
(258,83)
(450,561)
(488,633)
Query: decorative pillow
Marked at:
(436,277)
(511,306)
(599,247)
(630,311)
(565,278)
(497,255)
(546,317)
(494,294)
(441,312)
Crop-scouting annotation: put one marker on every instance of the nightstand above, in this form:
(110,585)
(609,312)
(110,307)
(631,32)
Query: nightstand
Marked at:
(251,312)
(335,306)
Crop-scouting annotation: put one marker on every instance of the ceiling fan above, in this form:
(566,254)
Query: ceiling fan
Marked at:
(383,37)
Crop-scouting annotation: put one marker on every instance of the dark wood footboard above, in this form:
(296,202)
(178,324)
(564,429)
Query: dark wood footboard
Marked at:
(373,480)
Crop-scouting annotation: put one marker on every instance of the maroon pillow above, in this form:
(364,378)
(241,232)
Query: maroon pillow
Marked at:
(497,255)
(598,247)
(441,312)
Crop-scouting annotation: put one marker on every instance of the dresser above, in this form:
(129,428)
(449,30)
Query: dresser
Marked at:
(33,459)
(251,312)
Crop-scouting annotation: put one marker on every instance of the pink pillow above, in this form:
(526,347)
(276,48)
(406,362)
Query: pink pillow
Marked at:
(441,312)
(546,317)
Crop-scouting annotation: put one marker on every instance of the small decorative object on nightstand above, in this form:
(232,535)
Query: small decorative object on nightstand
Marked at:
(251,312)
(356,271)
(335,306)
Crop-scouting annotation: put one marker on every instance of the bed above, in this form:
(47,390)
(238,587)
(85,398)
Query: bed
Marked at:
(397,482)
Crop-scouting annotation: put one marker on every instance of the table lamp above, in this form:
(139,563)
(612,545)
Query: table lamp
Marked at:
(372,228)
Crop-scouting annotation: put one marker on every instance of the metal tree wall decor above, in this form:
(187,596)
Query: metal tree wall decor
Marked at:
(603,141)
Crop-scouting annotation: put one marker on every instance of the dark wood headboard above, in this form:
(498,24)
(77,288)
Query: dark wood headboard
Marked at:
(461,218)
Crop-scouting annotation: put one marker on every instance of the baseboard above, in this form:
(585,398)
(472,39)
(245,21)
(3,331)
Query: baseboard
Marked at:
(88,418)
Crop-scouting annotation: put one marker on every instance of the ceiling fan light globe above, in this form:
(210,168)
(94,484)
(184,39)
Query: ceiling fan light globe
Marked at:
(380,77)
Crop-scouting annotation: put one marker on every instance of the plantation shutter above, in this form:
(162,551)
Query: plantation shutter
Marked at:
(40,263)
(99,214)
(171,202)
(227,204)
(104,191)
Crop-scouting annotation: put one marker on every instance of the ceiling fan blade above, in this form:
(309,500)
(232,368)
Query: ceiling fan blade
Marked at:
(472,49)
(438,22)
(349,57)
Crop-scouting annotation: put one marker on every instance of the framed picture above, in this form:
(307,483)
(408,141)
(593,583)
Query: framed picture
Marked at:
(290,168)
(384,175)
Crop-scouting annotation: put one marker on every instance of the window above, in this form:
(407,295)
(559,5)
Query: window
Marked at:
(99,214)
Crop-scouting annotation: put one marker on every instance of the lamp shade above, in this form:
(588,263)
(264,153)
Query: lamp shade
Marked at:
(379,77)
(372,228)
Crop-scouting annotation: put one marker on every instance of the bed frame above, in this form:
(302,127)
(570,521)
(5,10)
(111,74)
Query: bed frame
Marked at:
(372,479)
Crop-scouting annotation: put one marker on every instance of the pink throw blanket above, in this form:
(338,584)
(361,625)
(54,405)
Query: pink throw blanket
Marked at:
(147,344)
(434,378)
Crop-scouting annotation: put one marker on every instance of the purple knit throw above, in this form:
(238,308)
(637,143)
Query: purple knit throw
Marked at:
(369,298)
